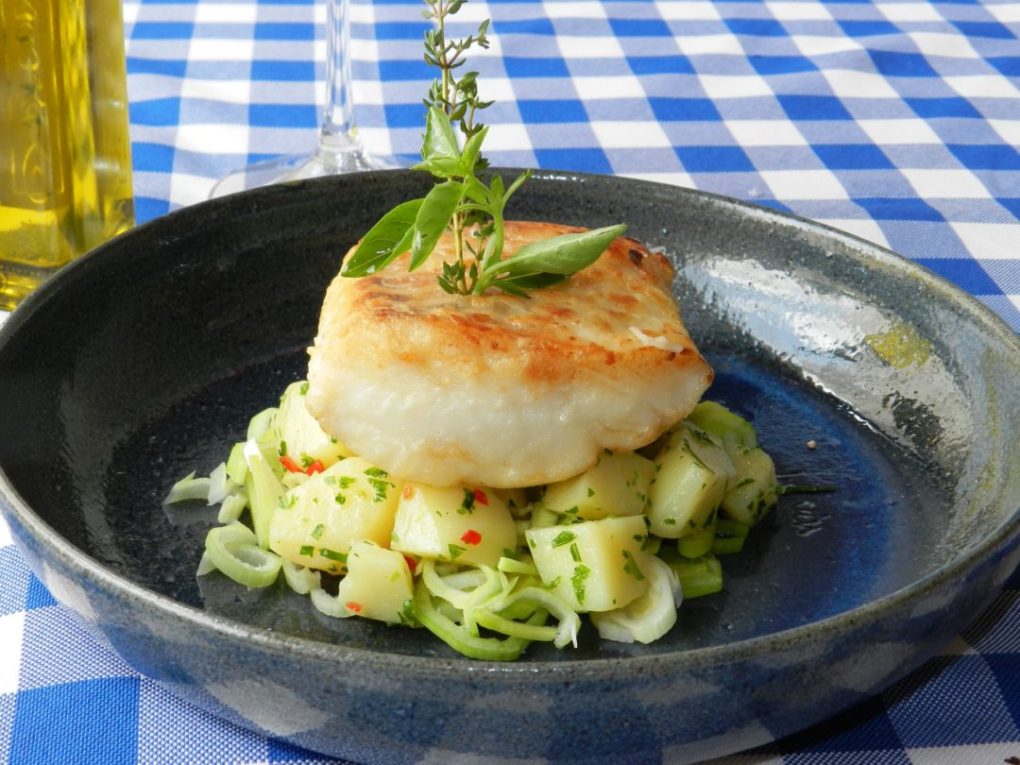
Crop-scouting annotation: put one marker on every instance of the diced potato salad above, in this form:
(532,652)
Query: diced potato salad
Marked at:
(488,570)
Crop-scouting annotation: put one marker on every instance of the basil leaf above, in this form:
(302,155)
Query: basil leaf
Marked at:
(565,254)
(433,217)
(521,285)
(439,152)
(472,148)
(386,240)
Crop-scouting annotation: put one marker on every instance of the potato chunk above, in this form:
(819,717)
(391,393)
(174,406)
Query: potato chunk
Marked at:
(299,434)
(616,485)
(694,472)
(319,520)
(755,491)
(378,583)
(593,565)
(457,524)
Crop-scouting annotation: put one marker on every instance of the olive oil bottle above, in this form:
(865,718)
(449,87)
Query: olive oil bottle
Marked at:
(65,153)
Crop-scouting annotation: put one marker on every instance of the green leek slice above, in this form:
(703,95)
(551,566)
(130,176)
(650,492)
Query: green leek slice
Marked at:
(234,551)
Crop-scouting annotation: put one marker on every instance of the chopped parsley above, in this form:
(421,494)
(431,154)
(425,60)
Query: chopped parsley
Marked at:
(377,480)
(564,538)
(581,572)
(467,506)
(630,566)
(325,552)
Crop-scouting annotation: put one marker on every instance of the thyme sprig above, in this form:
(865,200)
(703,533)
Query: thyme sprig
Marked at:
(462,201)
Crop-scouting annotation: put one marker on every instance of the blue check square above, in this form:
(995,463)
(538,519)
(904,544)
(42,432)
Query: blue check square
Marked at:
(867,27)
(640,28)
(584,160)
(714,159)
(991,29)
(756,27)
(800,107)
(766,65)
(68,708)
(525,66)
(899,208)
(966,273)
(152,157)
(684,110)
(934,108)
(678,64)
(852,156)
(551,110)
(986,156)
(1007,65)
(899,64)
(157,112)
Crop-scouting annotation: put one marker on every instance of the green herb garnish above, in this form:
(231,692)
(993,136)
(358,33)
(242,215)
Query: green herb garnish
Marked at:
(461,201)
(564,538)
(325,552)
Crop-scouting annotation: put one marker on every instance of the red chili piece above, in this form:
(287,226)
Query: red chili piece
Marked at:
(290,464)
(411,562)
(315,467)
(480,497)
(352,606)
(471,537)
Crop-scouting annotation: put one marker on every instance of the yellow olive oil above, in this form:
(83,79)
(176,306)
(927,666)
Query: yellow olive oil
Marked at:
(65,152)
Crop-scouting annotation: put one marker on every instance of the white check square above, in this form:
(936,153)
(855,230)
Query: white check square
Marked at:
(943,183)
(1008,129)
(589,47)
(734,86)
(807,11)
(938,44)
(597,88)
(687,10)
(1007,13)
(630,135)
(989,241)
(817,185)
(217,49)
(706,45)
(571,10)
(908,11)
(817,45)
(899,131)
(766,133)
(850,83)
(227,91)
(983,86)
(226,13)
(12,629)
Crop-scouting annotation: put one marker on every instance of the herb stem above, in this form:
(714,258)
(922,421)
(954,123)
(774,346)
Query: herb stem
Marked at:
(466,206)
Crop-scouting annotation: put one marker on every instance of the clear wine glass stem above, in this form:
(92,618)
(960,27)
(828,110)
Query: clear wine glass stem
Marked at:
(338,148)
(337,127)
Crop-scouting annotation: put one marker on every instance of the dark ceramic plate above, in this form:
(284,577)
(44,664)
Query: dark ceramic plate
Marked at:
(145,360)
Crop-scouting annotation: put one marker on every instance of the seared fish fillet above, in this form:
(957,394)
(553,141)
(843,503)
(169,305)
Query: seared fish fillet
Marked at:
(498,390)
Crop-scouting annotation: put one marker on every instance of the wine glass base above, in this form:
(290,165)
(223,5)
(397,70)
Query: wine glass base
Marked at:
(296,168)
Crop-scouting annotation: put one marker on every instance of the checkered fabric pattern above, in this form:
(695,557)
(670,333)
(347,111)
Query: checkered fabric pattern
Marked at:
(897,120)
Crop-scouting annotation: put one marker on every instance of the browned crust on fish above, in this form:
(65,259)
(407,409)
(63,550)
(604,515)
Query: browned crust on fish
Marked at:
(563,335)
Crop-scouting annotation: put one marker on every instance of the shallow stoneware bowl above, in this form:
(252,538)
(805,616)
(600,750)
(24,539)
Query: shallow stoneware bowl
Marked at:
(144,360)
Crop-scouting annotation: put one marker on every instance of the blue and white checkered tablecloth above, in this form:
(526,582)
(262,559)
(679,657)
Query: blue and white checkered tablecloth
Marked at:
(897,120)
